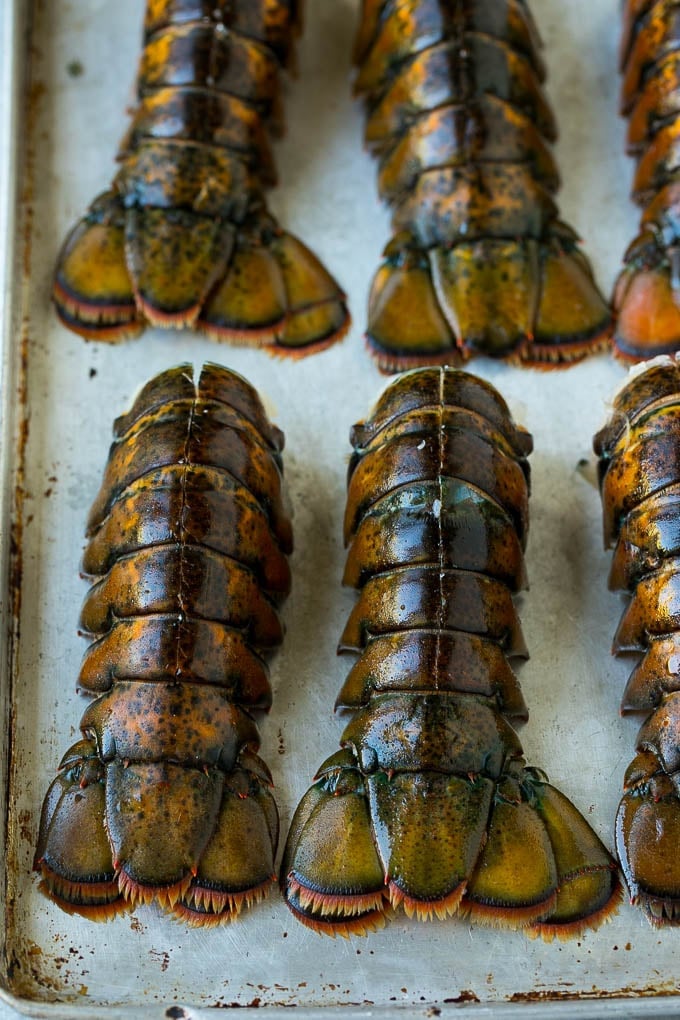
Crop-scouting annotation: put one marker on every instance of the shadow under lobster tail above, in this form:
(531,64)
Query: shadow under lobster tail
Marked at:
(183,238)
(639,451)
(165,798)
(429,805)
(479,262)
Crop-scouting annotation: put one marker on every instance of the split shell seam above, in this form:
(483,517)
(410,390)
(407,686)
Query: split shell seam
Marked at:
(429,804)
(165,798)
(479,262)
(183,237)
(639,451)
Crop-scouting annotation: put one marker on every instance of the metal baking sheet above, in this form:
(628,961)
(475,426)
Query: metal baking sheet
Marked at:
(59,398)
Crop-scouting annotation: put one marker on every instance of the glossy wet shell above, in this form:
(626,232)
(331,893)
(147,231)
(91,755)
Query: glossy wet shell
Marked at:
(183,237)
(639,450)
(429,804)
(647,293)
(187,543)
(458,121)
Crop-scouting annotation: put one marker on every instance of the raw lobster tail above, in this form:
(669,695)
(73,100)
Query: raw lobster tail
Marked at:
(429,804)
(183,237)
(479,262)
(647,293)
(640,481)
(164,797)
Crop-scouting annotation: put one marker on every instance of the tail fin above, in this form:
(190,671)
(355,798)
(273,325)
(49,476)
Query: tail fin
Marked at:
(647,301)
(513,853)
(236,868)
(331,875)
(122,269)
(647,834)
(520,300)
(200,843)
(92,290)
(275,292)
(73,853)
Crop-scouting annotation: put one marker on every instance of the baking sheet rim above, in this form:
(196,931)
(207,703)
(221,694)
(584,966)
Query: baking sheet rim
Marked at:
(15,34)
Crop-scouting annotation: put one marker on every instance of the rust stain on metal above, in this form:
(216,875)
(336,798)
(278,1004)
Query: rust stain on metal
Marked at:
(21,975)
(465,996)
(163,956)
(630,992)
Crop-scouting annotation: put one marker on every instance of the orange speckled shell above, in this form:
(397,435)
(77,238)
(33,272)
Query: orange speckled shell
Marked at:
(187,558)
(639,451)
(647,295)
(458,120)
(429,804)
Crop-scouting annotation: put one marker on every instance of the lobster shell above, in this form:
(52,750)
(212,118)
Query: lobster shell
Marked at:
(647,292)
(429,804)
(183,237)
(479,262)
(164,798)
(639,451)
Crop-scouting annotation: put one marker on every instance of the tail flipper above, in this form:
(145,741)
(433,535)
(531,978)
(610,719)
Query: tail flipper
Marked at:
(331,874)
(73,853)
(121,269)
(92,291)
(647,834)
(521,300)
(588,888)
(513,854)
(275,292)
(200,843)
(236,868)
(647,301)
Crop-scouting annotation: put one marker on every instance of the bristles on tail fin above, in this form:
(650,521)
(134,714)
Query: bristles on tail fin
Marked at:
(522,300)
(276,293)
(255,284)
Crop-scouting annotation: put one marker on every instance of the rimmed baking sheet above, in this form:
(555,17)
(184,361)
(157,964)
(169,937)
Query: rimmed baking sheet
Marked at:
(82,61)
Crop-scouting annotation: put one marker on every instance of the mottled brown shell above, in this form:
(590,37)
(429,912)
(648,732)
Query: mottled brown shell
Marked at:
(647,293)
(429,803)
(186,553)
(458,121)
(183,236)
(639,450)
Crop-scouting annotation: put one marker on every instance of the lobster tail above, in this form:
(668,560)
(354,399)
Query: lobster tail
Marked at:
(639,452)
(183,237)
(429,804)
(647,293)
(164,798)
(479,262)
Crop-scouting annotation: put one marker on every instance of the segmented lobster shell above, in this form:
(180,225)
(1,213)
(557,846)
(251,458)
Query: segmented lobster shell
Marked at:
(429,803)
(183,236)
(639,451)
(479,262)
(165,797)
(647,293)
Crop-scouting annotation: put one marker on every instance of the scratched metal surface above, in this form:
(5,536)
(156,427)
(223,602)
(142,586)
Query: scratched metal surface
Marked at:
(83,60)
